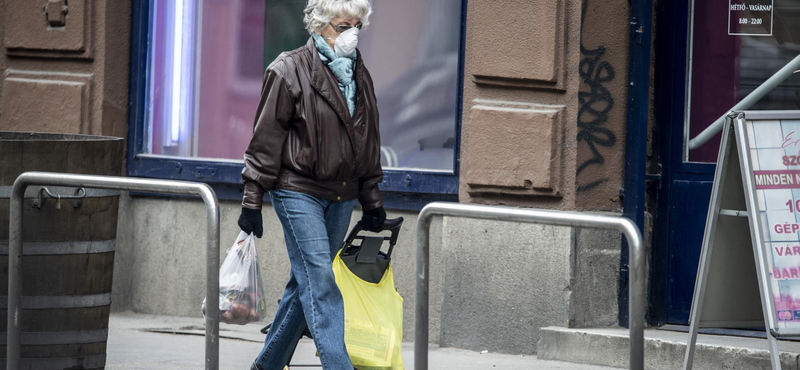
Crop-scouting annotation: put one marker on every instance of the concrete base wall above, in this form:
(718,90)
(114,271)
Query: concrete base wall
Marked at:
(160,260)
(594,278)
(493,284)
(504,281)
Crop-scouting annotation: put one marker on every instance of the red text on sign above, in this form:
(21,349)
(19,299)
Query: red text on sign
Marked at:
(788,251)
(791,160)
(786,273)
(793,205)
(787,228)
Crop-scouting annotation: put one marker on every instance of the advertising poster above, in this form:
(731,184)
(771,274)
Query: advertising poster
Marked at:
(775,154)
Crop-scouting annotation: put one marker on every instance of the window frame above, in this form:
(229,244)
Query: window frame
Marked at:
(402,189)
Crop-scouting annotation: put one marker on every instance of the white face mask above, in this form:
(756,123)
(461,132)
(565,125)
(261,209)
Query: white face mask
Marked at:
(345,44)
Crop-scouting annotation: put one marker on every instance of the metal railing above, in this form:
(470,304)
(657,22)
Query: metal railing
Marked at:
(636,292)
(114,183)
(771,83)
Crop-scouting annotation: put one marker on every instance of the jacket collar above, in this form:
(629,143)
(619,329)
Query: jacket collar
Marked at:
(325,83)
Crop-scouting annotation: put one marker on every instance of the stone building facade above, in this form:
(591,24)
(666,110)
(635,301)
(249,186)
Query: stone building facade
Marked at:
(542,124)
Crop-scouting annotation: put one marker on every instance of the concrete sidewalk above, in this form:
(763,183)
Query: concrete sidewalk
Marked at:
(148,342)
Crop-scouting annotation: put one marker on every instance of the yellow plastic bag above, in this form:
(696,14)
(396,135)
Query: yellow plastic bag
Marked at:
(373,319)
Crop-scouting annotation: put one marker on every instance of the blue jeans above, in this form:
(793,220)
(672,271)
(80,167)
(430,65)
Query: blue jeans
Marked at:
(314,229)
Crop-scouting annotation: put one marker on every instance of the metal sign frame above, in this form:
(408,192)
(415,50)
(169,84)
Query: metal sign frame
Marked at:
(727,280)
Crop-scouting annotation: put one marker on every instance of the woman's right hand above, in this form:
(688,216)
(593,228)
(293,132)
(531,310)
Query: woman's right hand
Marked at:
(250,221)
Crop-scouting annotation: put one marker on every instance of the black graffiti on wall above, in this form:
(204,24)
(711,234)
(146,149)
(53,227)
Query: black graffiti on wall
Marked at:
(595,106)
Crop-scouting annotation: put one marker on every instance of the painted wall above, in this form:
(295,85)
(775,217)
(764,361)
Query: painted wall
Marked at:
(544,103)
(602,100)
(520,103)
(65,73)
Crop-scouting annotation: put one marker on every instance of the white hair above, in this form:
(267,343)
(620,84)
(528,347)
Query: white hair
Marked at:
(318,13)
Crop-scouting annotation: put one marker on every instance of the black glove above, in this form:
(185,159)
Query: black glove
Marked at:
(250,221)
(372,220)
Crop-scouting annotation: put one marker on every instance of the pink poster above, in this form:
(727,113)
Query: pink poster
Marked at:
(775,156)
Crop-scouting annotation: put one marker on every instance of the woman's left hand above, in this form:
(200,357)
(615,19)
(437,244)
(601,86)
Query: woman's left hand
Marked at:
(373,219)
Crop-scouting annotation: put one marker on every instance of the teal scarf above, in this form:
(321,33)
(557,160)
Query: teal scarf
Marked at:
(342,68)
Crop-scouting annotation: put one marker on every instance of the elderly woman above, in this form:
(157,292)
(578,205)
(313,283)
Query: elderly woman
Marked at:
(316,150)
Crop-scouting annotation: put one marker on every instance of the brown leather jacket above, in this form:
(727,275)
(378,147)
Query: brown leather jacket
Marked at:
(304,138)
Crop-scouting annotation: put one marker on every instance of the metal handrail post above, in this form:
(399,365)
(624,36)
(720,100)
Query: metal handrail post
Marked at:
(636,292)
(114,183)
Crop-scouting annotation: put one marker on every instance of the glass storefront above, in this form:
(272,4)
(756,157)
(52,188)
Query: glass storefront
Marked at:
(206,62)
(732,52)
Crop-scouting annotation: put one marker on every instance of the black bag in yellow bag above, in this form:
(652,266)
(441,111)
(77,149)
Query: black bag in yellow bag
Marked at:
(373,310)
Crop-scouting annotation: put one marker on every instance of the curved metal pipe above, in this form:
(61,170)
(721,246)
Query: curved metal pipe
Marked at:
(636,302)
(116,183)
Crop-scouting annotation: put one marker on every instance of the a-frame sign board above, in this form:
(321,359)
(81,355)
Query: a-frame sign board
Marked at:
(749,271)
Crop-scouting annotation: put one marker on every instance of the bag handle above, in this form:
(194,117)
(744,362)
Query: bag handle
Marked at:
(393,225)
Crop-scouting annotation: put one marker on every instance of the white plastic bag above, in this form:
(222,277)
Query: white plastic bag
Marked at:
(241,295)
